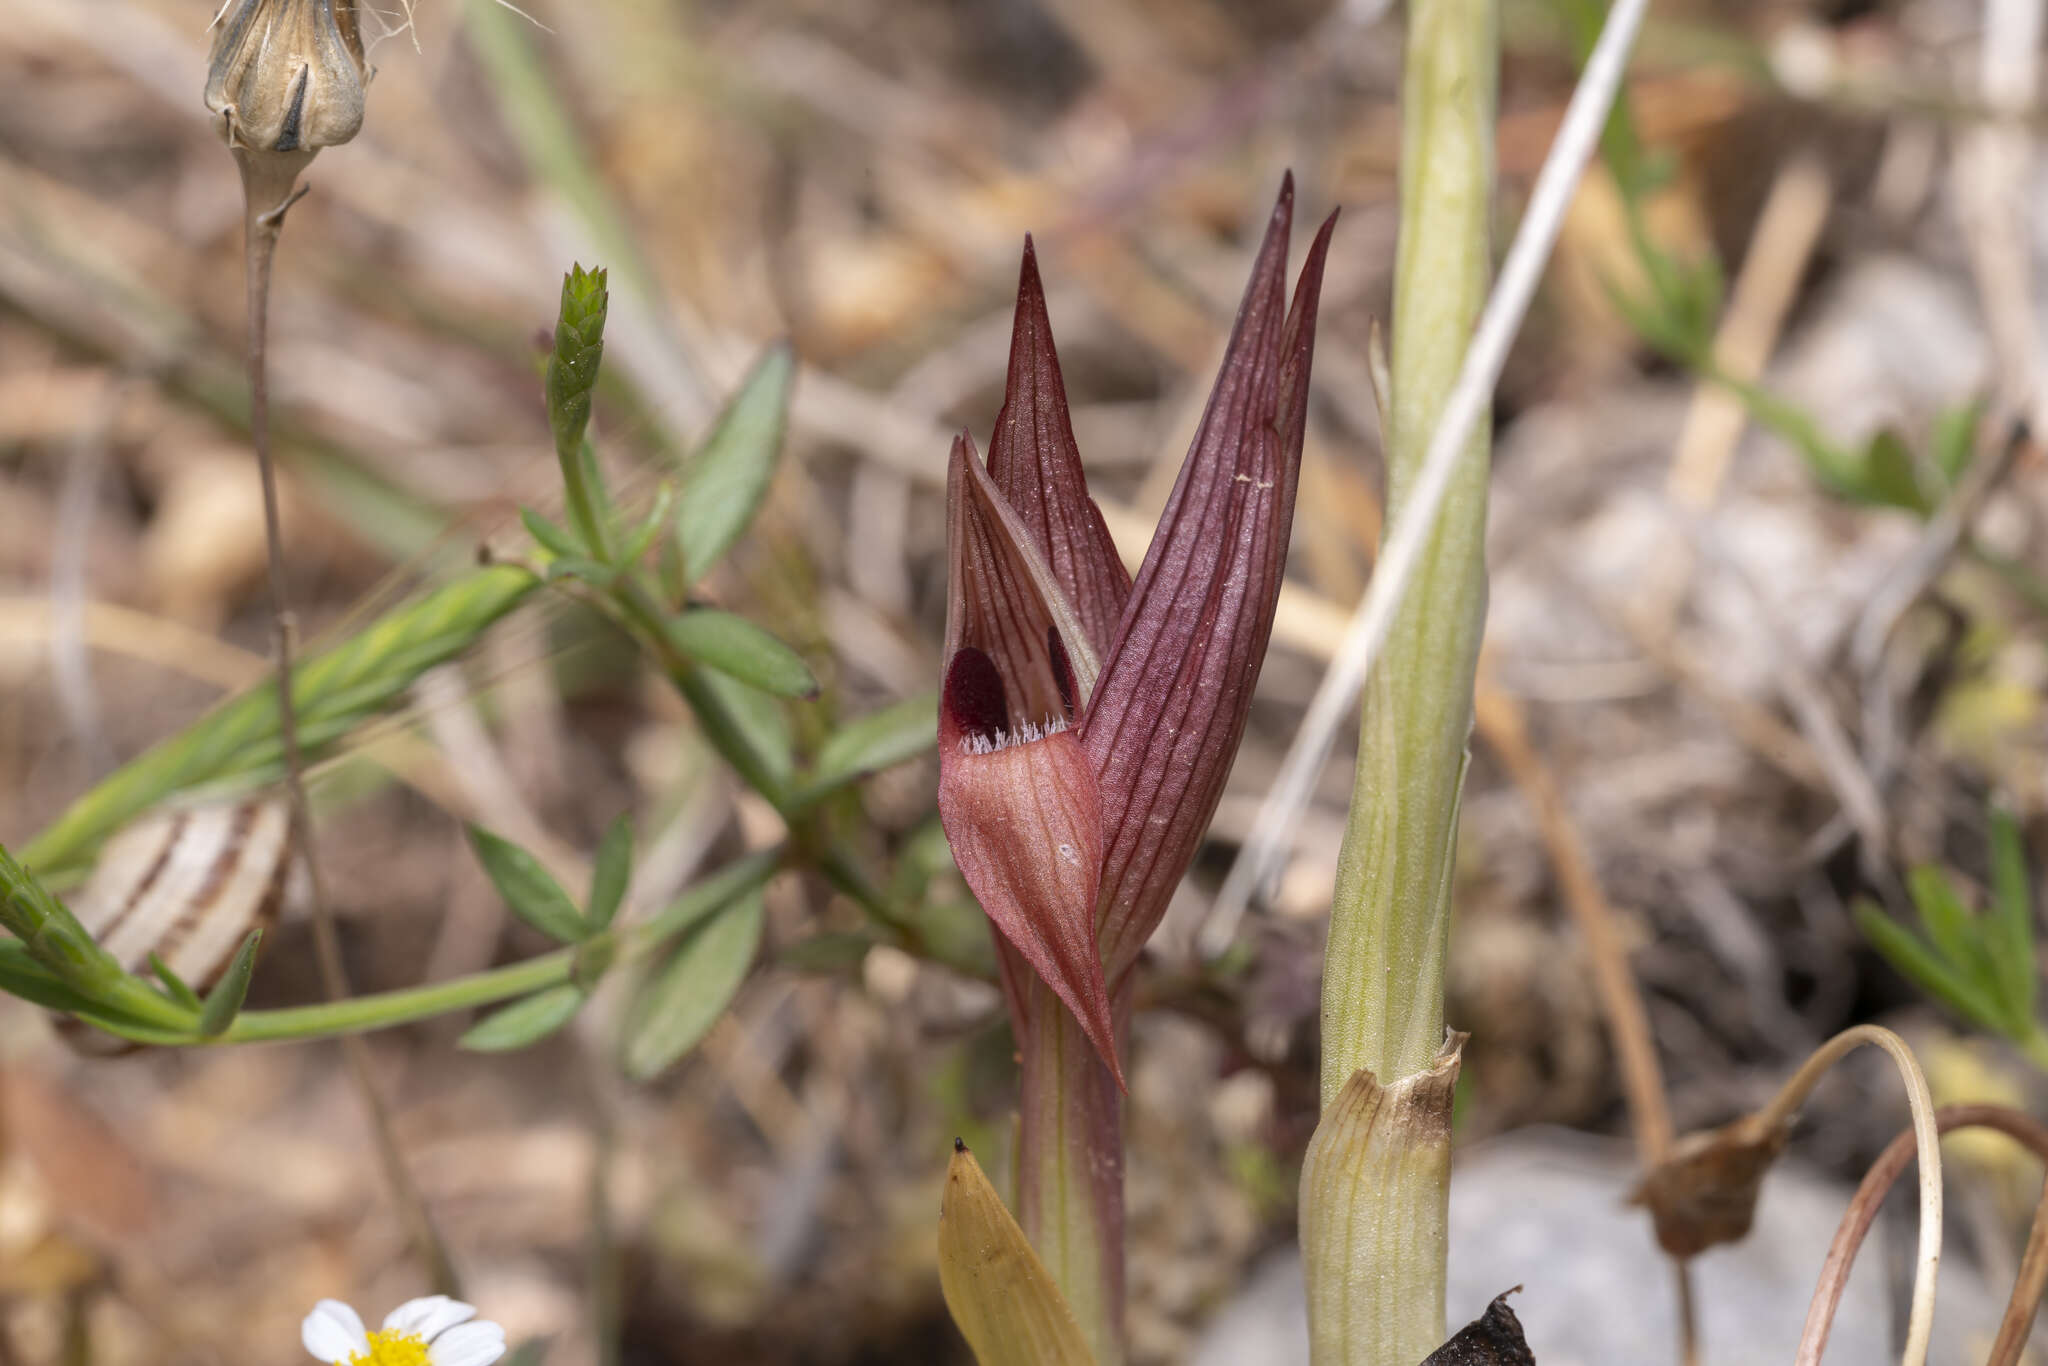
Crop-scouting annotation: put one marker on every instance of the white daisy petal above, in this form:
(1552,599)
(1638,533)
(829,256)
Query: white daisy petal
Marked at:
(470,1344)
(428,1318)
(333,1332)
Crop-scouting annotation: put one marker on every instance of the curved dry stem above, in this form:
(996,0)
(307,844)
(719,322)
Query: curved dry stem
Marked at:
(1863,1207)
(2032,1281)
(1927,1147)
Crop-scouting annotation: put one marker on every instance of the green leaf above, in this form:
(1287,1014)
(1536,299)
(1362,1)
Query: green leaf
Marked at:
(1944,914)
(533,895)
(225,1001)
(678,1005)
(23,976)
(1888,477)
(1915,961)
(728,477)
(734,645)
(650,527)
(2011,931)
(1955,439)
(833,952)
(879,740)
(611,872)
(524,1021)
(174,984)
(552,536)
(737,717)
(581,567)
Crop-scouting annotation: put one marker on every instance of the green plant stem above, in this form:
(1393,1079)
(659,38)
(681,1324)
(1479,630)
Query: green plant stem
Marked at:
(1383,970)
(1070,1162)
(384,1010)
(1372,1227)
(582,503)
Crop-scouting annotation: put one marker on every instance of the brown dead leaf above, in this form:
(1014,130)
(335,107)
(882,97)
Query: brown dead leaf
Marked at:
(1704,1194)
(92,1177)
(1492,1339)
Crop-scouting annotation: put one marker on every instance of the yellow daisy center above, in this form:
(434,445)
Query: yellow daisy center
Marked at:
(393,1349)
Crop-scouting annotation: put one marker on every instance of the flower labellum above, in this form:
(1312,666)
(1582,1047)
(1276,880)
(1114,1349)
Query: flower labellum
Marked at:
(287,76)
(1087,722)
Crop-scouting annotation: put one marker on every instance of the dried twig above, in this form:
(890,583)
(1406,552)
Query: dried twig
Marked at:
(1862,1212)
(263,227)
(1926,1147)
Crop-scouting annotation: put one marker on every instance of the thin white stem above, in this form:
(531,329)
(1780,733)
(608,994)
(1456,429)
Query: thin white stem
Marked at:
(1468,401)
(1927,1146)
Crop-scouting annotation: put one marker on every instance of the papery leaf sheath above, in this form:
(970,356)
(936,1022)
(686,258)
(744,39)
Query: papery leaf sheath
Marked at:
(1164,722)
(1006,602)
(997,1289)
(1025,824)
(1035,462)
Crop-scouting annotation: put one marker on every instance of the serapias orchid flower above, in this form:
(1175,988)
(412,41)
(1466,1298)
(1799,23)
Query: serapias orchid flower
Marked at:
(1087,722)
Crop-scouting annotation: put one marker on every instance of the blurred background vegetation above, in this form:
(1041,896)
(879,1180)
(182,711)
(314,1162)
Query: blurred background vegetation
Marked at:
(1679,596)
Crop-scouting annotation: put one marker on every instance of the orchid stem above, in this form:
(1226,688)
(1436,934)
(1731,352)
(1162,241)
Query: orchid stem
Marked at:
(1070,1165)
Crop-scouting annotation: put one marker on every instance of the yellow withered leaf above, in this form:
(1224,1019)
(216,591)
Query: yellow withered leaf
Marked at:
(1000,1294)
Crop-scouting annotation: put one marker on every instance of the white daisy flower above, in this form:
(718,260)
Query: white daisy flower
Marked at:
(435,1331)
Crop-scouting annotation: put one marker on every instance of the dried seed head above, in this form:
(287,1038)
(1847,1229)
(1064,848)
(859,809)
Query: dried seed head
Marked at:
(287,76)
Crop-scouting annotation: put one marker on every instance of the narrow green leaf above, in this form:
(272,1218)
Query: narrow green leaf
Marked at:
(21,975)
(552,536)
(1889,478)
(583,568)
(830,953)
(335,689)
(1919,964)
(524,1021)
(1954,439)
(174,984)
(747,726)
(657,517)
(678,1005)
(728,477)
(611,872)
(879,740)
(734,645)
(1942,912)
(225,1002)
(2011,931)
(533,895)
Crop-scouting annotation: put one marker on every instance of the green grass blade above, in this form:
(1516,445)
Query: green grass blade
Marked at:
(1919,964)
(2011,930)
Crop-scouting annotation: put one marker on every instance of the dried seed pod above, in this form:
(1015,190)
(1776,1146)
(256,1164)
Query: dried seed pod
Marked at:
(1704,1194)
(287,75)
(186,884)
